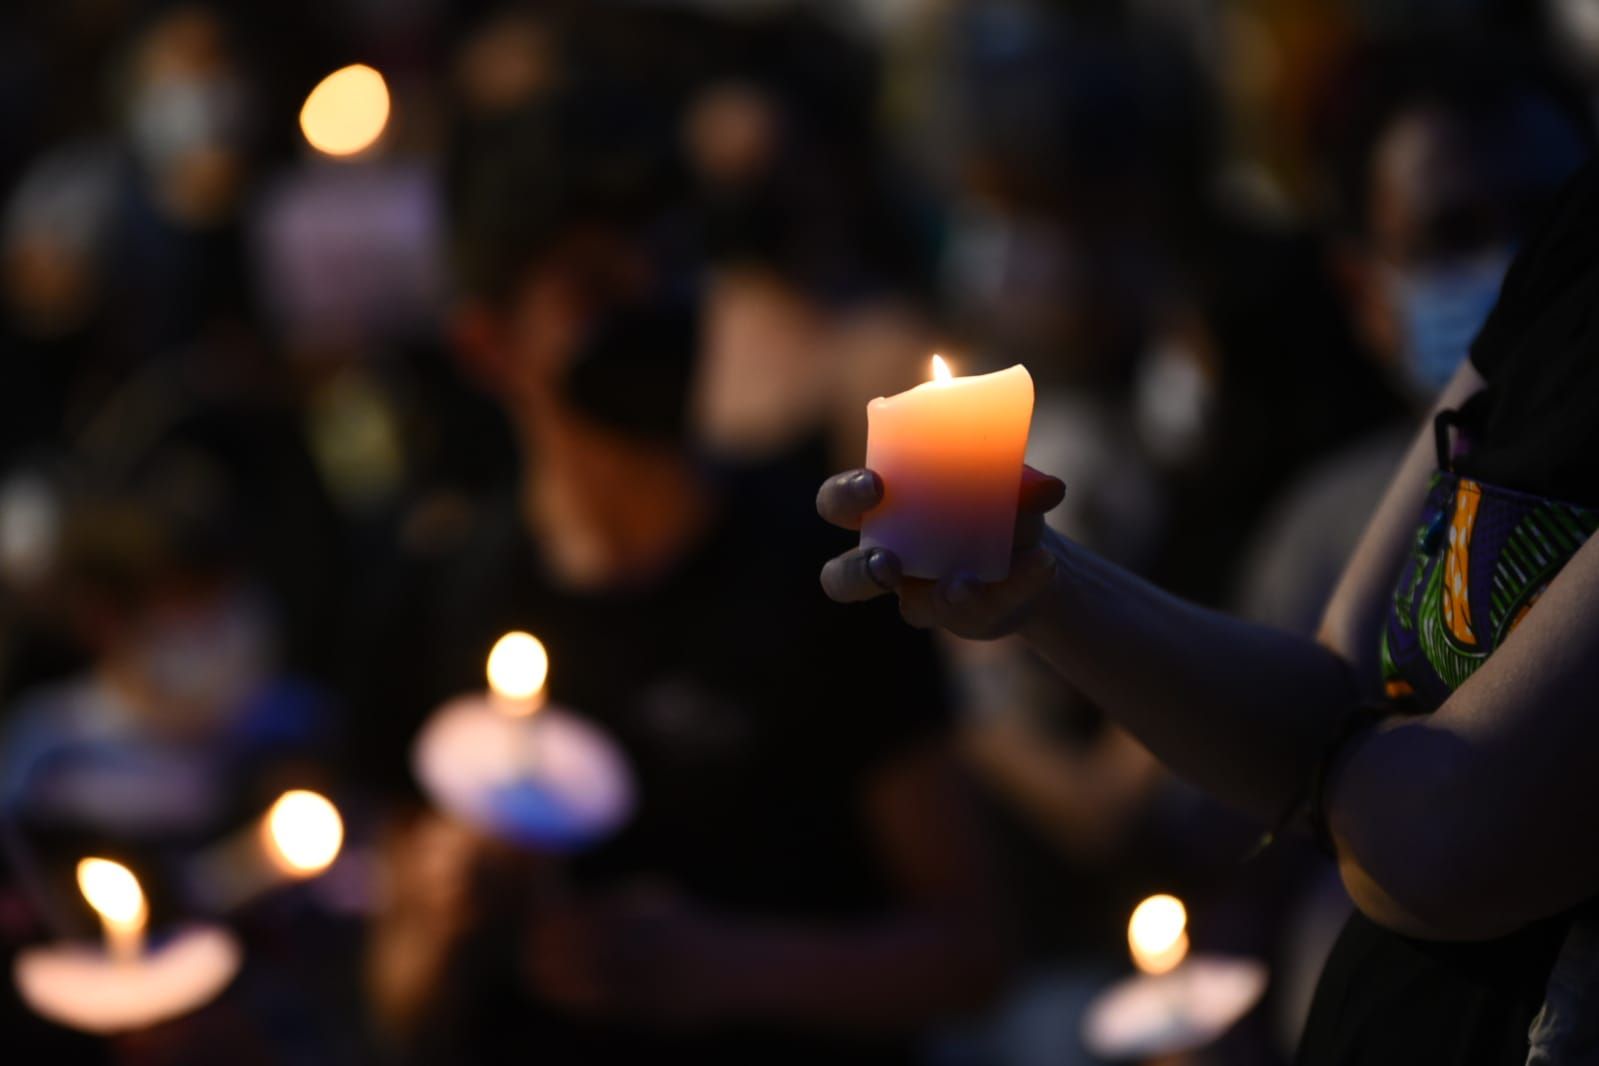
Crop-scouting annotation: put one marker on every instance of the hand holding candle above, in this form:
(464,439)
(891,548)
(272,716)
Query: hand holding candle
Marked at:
(963,605)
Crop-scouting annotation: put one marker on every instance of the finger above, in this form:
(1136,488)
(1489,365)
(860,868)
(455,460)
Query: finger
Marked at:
(844,498)
(1029,531)
(917,604)
(967,606)
(860,574)
(1041,492)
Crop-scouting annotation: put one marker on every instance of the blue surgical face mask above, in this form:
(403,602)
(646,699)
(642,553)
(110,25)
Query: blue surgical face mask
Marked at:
(1440,308)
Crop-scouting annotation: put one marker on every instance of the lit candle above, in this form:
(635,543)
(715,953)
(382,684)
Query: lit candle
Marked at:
(116,897)
(949,453)
(1157,934)
(346,113)
(1176,1003)
(549,778)
(517,668)
(298,838)
(303,833)
(119,984)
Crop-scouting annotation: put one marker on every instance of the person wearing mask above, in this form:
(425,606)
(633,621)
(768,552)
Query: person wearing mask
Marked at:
(1436,734)
(1448,169)
(801,881)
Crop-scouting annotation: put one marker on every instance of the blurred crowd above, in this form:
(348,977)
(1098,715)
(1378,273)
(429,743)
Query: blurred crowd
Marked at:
(287,438)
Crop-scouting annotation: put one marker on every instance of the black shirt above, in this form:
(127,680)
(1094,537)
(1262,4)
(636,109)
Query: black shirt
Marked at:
(754,713)
(1536,426)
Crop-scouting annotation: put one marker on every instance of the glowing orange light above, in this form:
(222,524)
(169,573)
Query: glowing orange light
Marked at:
(116,897)
(1158,934)
(517,668)
(305,832)
(941,371)
(347,111)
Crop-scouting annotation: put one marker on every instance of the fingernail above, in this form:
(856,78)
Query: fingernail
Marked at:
(960,591)
(863,482)
(881,569)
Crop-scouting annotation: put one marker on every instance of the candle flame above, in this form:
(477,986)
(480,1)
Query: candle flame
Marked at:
(517,667)
(941,372)
(347,111)
(113,892)
(1158,934)
(305,832)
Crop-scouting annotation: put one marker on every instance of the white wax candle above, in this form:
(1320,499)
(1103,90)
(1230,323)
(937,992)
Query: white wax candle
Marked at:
(85,987)
(554,780)
(1177,1003)
(949,453)
(297,839)
(1147,1017)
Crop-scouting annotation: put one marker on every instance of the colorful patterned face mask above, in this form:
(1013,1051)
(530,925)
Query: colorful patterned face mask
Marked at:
(1482,556)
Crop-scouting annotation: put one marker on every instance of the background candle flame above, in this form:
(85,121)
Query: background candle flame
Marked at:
(1158,934)
(347,111)
(941,371)
(113,892)
(305,831)
(517,667)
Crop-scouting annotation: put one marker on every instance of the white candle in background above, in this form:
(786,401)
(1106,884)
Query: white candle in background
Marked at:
(120,985)
(298,838)
(1176,1003)
(514,767)
(949,453)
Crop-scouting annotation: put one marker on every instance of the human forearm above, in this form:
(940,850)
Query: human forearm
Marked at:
(1474,820)
(1239,709)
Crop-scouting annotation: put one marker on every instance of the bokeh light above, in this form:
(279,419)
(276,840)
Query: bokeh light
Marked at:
(517,667)
(306,832)
(1157,934)
(347,111)
(112,891)
(941,371)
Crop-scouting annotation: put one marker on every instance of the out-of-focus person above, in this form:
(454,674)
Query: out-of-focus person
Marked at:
(123,244)
(814,303)
(185,698)
(1451,160)
(1175,328)
(1447,161)
(169,744)
(801,881)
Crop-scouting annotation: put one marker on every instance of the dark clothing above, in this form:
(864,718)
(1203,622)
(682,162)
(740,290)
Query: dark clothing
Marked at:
(1536,428)
(753,711)
(1511,506)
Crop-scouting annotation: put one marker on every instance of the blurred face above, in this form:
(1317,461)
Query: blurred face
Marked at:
(540,335)
(572,359)
(1066,281)
(187,659)
(1437,250)
(186,117)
